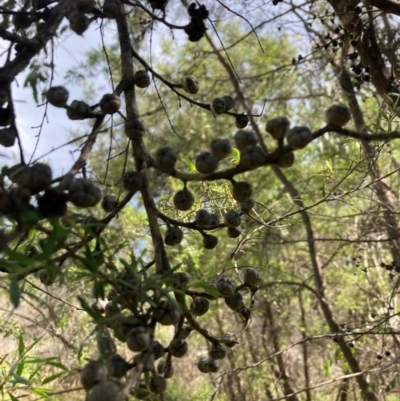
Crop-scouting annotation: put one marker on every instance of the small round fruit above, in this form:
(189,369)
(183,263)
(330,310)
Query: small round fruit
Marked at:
(229,102)
(214,219)
(132,181)
(78,110)
(245,138)
(78,22)
(251,277)
(207,365)
(83,193)
(246,206)
(183,200)
(225,287)
(110,103)
(117,366)
(173,236)
(200,306)
(178,347)
(242,191)
(57,96)
(166,158)
(85,6)
(252,157)
(157,349)
(104,391)
(185,332)
(134,128)
(229,339)
(299,137)
(218,105)
(158,384)
(48,276)
(206,163)
(203,218)
(338,115)
(138,339)
(285,160)
(191,85)
(232,219)
(233,232)
(241,121)
(181,279)
(36,178)
(141,79)
(109,203)
(166,314)
(221,148)
(278,127)
(217,351)
(93,373)
(210,241)
(235,302)
(165,369)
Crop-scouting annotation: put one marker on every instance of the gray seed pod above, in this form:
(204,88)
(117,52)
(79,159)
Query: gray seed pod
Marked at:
(36,178)
(246,206)
(203,218)
(8,137)
(158,384)
(157,349)
(233,232)
(241,121)
(221,148)
(191,85)
(232,219)
(78,110)
(112,9)
(286,160)
(132,181)
(166,314)
(218,105)
(252,157)
(134,128)
(85,6)
(173,236)
(210,241)
(225,287)
(217,351)
(251,277)
(166,157)
(141,79)
(278,127)
(207,365)
(165,369)
(104,391)
(181,279)
(206,163)
(109,203)
(93,373)
(78,22)
(338,115)
(183,200)
(138,339)
(83,193)
(48,276)
(3,97)
(299,137)
(242,191)
(214,219)
(229,102)
(245,138)
(178,348)
(200,306)
(117,366)
(235,302)
(229,339)
(110,103)
(57,96)
(185,332)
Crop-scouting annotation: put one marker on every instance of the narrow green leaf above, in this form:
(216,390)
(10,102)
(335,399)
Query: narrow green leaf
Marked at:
(52,378)
(15,293)
(21,344)
(91,312)
(12,397)
(207,287)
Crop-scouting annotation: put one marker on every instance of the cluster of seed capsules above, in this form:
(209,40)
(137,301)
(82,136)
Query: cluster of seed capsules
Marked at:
(104,375)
